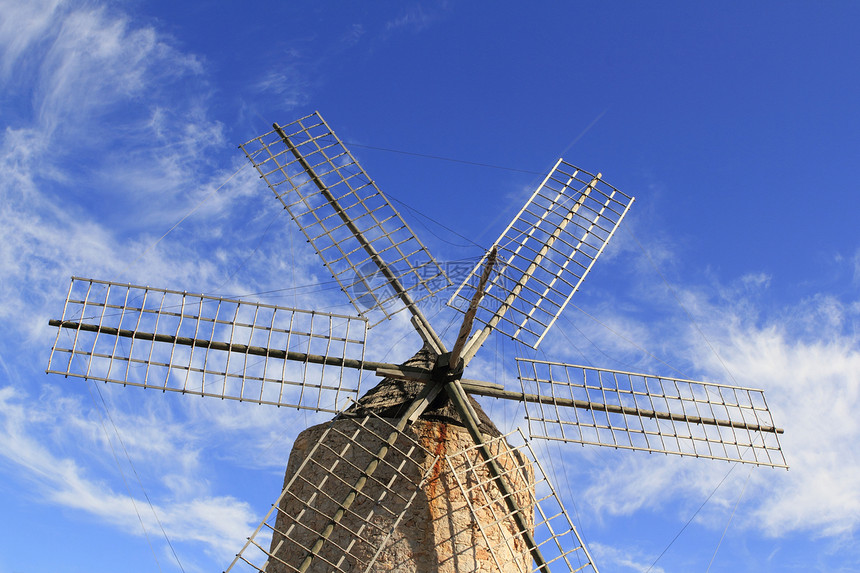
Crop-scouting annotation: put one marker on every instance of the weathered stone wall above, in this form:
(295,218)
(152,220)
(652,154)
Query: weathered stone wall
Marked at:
(438,533)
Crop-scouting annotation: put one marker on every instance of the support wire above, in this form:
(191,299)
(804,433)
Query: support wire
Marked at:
(737,503)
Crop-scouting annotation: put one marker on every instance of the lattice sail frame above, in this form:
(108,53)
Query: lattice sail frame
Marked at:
(364,530)
(322,186)
(613,406)
(558,540)
(139,336)
(563,228)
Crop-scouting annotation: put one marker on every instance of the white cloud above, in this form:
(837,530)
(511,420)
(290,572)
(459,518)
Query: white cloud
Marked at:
(807,359)
(23,24)
(606,555)
(287,83)
(414,17)
(97,61)
(355,33)
(814,390)
(30,435)
(108,151)
(856,270)
(114,147)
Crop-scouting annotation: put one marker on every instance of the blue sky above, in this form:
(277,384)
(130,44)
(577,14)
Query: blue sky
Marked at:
(734,127)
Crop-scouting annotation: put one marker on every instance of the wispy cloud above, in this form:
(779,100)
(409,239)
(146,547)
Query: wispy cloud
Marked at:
(623,560)
(116,145)
(96,62)
(354,34)
(286,83)
(806,357)
(219,522)
(414,17)
(24,24)
(101,84)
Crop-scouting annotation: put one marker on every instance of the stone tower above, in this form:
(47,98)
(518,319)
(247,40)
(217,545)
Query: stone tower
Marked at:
(440,531)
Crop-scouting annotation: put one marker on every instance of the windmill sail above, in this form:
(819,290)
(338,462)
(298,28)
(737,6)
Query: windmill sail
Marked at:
(545,253)
(372,253)
(626,410)
(209,346)
(346,494)
(559,544)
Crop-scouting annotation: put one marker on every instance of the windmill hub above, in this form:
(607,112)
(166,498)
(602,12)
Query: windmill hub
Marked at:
(391,397)
(442,372)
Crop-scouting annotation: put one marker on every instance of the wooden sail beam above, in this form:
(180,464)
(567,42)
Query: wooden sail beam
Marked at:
(223,346)
(386,369)
(481,336)
(614,409)
(461,402)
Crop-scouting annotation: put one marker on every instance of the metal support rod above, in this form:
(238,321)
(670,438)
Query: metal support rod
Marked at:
(613,409)
(228,347)
(480,336)
(404,296)
(470,418)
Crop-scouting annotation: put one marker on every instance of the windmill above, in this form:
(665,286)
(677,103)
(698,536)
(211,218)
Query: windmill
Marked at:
(412,475)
